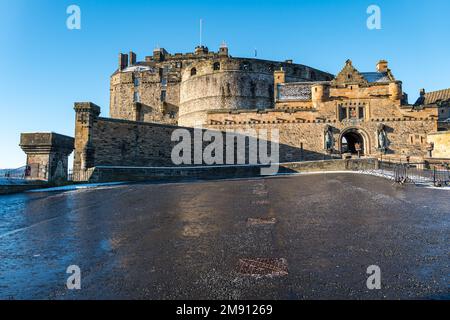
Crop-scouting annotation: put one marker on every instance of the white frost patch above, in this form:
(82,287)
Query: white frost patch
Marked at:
(77,187)
(437,188)
(377,173)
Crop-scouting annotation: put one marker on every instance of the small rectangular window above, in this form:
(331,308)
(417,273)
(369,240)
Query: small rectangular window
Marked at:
(361,112)
(342,113)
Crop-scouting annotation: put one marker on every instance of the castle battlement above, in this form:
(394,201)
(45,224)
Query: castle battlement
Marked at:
(193,83)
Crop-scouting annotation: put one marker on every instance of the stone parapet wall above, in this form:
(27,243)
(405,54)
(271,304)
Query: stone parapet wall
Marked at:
(113,142)
(111,174)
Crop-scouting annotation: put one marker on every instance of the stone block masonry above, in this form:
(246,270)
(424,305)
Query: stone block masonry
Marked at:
(441,144)
(47,155)
(122,143)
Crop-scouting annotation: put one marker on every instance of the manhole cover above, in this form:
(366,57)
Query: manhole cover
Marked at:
(263,267)
(261,221)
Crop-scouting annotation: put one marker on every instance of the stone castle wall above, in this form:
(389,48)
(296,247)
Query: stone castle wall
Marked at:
(235,84)
(166,85)
(441,141)
(304,135)
(114,142)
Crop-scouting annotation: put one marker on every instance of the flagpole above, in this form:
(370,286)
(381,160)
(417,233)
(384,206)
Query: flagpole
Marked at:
(201,27)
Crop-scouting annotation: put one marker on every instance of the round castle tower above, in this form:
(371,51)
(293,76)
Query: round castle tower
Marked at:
(187,86)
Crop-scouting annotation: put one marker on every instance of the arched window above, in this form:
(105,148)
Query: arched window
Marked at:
(193,72)
(216,66)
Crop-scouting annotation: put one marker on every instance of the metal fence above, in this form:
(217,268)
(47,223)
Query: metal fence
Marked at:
(417,173)
(79,175)
(16,174)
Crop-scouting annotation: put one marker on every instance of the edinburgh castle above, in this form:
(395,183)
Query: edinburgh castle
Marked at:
(318,115)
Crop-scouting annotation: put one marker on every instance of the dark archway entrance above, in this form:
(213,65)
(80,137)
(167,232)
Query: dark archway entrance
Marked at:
(352,142)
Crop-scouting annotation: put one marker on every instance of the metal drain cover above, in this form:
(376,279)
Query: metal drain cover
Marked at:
(261,221)
(263,267)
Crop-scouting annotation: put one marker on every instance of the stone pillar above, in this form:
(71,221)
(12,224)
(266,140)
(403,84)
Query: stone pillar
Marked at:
(47,156)
(320,93)
(86,115)
(279,77)
(123,61)
(395,91)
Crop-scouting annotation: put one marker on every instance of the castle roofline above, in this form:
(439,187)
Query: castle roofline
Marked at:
(433,97)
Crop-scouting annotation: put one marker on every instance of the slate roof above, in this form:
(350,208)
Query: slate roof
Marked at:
(434,97)
(379,77)
(300,91)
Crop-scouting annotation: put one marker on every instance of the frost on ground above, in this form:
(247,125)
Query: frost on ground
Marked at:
(77,187)
(391,176)
(377,173)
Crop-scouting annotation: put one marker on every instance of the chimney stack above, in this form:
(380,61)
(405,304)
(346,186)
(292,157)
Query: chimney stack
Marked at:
(223,50)
(159,54)
(123,61)
(132,57)
(382,66)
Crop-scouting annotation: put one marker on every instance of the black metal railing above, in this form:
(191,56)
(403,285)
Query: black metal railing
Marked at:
(416,173)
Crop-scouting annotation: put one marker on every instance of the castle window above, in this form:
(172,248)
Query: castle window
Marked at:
(216,66)
(342,113)
(193,72)
(136,81)
(136,97)
(245,66)
(163,95)
(361,112)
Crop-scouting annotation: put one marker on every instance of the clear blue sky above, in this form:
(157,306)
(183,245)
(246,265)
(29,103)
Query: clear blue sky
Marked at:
(45,67)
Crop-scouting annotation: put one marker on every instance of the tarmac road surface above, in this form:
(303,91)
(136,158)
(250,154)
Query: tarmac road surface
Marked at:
(190,240)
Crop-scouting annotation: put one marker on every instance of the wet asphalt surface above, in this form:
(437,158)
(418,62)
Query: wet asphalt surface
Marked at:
(184,240)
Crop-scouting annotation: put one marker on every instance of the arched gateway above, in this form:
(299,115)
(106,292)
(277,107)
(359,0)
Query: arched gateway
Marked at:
(355,141)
